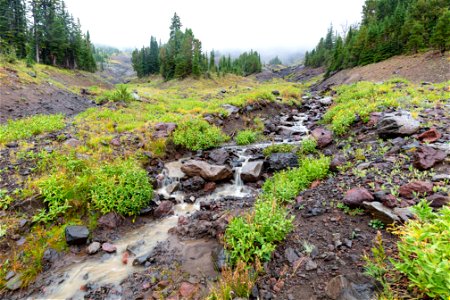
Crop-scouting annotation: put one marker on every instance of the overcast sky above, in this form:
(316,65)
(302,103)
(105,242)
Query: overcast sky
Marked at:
(232,24)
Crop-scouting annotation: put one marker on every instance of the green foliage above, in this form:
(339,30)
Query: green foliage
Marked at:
(278,148)
(388,28)
(285,185)
(5,199)
(246,137)
(275,61)
(350,211)
(27,127)
(122,187)
(254,236)
(376,224)
(424,251)
(195,134)
(121,93)
(308,145)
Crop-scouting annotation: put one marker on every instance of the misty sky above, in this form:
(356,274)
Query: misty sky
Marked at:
(222,25)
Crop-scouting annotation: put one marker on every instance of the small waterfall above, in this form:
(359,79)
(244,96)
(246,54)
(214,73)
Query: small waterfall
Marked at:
(238,183)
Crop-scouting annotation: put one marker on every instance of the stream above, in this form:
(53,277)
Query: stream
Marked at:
(110,269)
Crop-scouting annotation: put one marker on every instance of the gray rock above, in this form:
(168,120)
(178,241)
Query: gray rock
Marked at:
(252,171)
(14,283)
(111,220)
(310,265)
(440,177)
(173,187)
(291,255)
(193,184)
(381,212)
(163,209)
(326,101)
(74,143)
(76,235)
(231,109)
(351,287)
(404,213)
(395,124)
(93,248)
(280,161)
(219,156)
(10,275)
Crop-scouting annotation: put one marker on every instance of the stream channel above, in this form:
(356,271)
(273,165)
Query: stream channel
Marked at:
(109,268)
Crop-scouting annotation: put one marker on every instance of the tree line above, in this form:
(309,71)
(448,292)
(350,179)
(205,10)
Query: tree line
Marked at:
(182,56)
(43,31)
(388,28)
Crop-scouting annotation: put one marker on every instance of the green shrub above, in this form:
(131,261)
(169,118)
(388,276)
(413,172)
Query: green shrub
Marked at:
(121,93)
(254,235)
(246,137)
(308,145)
(27,127)
(278,148)
(122,187)
(196,134)
(286,185)
(424,251)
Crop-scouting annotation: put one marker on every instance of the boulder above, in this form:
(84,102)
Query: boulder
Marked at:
(76,235)
(416,187)
(111,221)
(231,109)
(163,130)
(252,171)
(438,200)
(381,212)
(165,208)
(426,157)
(326,101)
(280,161)
(219,156)
(430,136)
(395,124)
(355,197)
(193,184)
(206,171)
(93,248)
(351,287)
(109,248)
(323,137)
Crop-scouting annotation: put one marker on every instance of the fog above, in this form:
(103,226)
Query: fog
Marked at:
(271,27)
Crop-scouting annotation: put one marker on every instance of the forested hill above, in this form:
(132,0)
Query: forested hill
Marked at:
(388,28)
(43,31)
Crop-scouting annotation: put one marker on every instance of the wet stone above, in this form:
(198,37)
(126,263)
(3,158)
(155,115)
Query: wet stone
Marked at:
(93,248)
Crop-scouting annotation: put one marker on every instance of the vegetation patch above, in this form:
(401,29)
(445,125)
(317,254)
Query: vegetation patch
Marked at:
(195,134)
(27,127)
(278,148)
(122,187)
(363,98)
(246,137)
(285,185)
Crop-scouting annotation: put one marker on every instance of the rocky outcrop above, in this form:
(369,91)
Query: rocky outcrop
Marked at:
(323,137)
(395,124)
(76,235)
(252,171)
(280,161)
(163,130)
(426,157)
(206,171)
(355,197)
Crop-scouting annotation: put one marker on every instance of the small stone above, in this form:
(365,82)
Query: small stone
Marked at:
(76,235)
(163,209)
(109,248)
(93,248)
(187,290)
(430,136)
(14,283)
(426,157)
(74,143)
(355,197)
(416,187)
(438,200)
(10,275)
(111,221)
(310,265)
(381,212)
(323,137)
(351,287)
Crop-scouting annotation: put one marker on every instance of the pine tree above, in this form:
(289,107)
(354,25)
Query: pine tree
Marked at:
(441,34)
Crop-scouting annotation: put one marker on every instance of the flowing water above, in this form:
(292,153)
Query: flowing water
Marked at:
(109,269)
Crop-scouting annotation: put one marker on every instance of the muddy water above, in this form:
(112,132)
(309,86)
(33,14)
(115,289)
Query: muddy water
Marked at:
(109,269)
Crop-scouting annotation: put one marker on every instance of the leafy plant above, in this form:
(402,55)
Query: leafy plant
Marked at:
(246,137)
(254,235)
(237,283)
(308,145)
(195,134)
(349,211)
(285,185)
(278,148)
(27,127)
(122,187)
(424,251)
(376,224)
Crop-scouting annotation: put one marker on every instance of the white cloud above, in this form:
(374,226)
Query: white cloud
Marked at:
(232,24)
